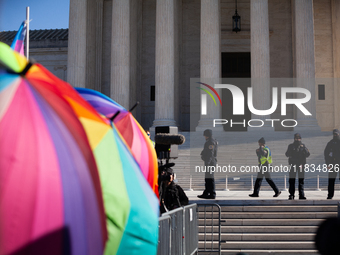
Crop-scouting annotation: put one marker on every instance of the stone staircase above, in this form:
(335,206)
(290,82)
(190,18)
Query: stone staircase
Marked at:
(264,227)
(238,149)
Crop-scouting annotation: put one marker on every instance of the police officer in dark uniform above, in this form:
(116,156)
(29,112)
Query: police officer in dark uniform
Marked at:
(172,195)
(332,158)
(208,155)
(297,153)
(264,158)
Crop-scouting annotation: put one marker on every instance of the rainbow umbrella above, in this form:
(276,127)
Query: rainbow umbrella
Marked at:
(131,207)
(50,193)
(134,135)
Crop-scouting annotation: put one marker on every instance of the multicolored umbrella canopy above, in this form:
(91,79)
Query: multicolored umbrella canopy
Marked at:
(50,193)
(134,135)
(131,207)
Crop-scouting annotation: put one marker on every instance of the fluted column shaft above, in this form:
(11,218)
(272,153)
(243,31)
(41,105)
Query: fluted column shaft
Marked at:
(260,58)
(165,63)
(305,60)
(76,60)
(120,52)
(336,59)
(210,56)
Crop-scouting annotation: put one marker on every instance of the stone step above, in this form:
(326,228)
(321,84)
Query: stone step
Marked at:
(259,229)
(277,208)
(271,215)
(263,222)
(258,237)
(273,245)
(266,252)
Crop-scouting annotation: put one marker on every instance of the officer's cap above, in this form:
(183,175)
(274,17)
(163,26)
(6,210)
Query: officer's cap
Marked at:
(207,133)
(297,136)
(169,170)
(336,132)
(262,140)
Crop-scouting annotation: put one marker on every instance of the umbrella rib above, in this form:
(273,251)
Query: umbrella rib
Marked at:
(114,116)
(133,107)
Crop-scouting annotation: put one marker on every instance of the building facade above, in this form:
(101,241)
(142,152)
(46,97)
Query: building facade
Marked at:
(47,47)
(148,50)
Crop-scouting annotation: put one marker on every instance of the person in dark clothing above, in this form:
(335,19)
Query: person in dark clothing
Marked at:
(264,158)
(327,236)
(332,159)
(208,155)
(172,195)
(297,153)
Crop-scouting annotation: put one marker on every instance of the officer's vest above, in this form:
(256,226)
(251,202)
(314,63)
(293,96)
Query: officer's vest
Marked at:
(263,159)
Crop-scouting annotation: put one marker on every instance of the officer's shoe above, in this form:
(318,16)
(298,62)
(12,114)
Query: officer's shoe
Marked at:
(329,197)
(203,196)
(291,197)
(210,197)
(302,198)
(254,195)
(277,194)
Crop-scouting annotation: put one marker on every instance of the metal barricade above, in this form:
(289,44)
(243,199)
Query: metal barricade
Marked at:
(209,216)
(164,236)
(176,230)
(190,240)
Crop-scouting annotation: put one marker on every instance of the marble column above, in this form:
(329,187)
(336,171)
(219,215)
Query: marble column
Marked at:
(94,45)
(305,61)
(76,59)
(260,60)
(122,46)
(166,68)
(335,5)
(85,44)
(210,59)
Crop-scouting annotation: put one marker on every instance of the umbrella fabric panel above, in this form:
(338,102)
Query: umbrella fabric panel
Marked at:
(25,178)
(7,92)
(13,62)
(80,206)
(54,87)
(141,231)
(116,200)
(141,147)
(42,180)
(102,103)
(132,132)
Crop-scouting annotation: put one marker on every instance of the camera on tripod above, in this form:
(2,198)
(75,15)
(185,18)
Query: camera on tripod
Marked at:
(167,140)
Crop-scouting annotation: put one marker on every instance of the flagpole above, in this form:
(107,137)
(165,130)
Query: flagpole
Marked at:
(27,31)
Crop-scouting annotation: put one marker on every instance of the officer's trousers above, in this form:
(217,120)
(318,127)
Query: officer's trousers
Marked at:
(259,179)
(331,182)
(210,187)
(209,182)
(301,175)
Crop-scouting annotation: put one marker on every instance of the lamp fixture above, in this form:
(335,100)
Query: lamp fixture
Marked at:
(236,20)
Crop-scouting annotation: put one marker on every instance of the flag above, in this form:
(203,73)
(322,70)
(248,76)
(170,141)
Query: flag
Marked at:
(18,42)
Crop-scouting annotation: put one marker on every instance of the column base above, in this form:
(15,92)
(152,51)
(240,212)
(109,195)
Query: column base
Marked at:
(163,122)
